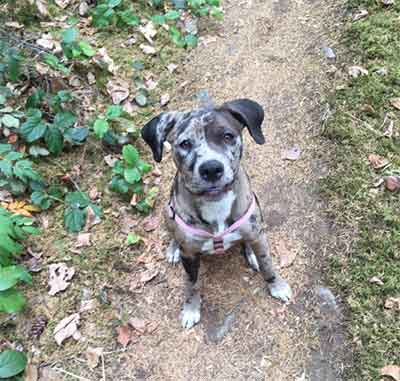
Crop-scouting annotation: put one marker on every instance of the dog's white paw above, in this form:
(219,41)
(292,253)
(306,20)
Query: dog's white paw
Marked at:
(252,259)
(280,289)
(190,315)
(173,253)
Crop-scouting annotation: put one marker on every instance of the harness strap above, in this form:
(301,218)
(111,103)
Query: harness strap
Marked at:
(218,240)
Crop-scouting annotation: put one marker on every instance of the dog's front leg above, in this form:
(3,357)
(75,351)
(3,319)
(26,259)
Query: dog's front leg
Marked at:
(173,253)
(191,307)
(278,287)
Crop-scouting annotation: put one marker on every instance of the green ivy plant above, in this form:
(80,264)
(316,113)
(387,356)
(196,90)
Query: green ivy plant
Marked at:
(12,363)
(114,13)
(52,130)
(73,47)
(127,178)
(14,229)
(16,172)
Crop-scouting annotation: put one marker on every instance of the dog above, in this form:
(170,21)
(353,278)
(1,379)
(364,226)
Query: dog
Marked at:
(212,207)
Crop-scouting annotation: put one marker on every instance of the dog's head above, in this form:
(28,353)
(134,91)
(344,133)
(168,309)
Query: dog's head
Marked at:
(206,143)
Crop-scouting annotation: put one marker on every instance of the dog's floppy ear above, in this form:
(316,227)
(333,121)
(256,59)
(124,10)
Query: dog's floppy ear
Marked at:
(250,114)
(155,132)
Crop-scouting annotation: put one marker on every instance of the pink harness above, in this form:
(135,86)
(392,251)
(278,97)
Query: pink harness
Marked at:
(218,239)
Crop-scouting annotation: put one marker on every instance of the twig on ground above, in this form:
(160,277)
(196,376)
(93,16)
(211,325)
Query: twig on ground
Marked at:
(103,368)
(71,374)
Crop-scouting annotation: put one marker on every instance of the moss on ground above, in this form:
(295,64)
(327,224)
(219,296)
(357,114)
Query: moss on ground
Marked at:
(372,213)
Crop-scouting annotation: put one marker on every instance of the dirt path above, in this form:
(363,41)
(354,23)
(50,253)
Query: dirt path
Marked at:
(269,51)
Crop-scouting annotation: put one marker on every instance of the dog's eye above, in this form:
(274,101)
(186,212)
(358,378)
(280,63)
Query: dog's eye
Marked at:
(228,137)
(186,144)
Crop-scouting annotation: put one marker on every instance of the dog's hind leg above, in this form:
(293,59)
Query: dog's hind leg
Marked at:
(250,257)
(277,286)
(173,253)
(191,307)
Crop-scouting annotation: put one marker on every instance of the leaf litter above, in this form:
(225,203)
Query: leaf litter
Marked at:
(66,328)
(60,276)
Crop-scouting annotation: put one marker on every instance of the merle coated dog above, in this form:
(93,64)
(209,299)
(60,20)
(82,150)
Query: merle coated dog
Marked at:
(212,206)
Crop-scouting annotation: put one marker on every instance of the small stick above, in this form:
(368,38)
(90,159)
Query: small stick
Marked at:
(102,364)
(70,374)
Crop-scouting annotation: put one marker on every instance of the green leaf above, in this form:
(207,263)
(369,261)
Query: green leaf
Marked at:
(141,99)
(24,171)
(217,13)
(132,239)
(144,167)
(9,121)
(35,99)
(77,199)
(69,35)
(52,61)
(172,15)
(130,154)
(14,155)
(41,199)
(128,17)
(114,111)
(12,363)
(119,185)
(138,65)
(113,3)
(74,219)
(132,175)
(191,40)
(87,49)
(64,119)
(73,20)
(76,135)
(54,140)
(176,37)
(3,99)
(37,151)
(158,19)
(11,301)
(4,148)
(100,127)
(10,275)
(64,96)
(6,168)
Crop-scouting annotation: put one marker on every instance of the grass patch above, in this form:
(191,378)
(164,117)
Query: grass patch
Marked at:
(363,111)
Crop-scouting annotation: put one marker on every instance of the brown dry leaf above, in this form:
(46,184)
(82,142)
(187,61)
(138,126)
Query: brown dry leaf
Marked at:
(152,326)
(21,207)
(376,280)
(138,324)
(124,334)
(93,356)
(110,160)
(392,183)
(292,153)
(48,374)
(164,100)
(147,49)
(62,3)
(357,71)
(150,223)
(14,25)
(393,303)
(377,161)
(67,327)
(94,193)
(148,275)
(172,67)
(395,102)
(46,43)
(83,240)
(105,61)
(91,219)
(391,371)
(42,7)
(362,13)
(148,31)
(88,305)
(387,2)
(31,373)
(59,277)
(118,91)
(134,199)
(287,256)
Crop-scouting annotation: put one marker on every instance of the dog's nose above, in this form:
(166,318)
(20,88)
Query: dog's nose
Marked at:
(211,170)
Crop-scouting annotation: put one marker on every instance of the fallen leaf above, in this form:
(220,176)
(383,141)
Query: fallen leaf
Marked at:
(148,275)
(376,280)
(118,91)
(152,326)
(357,71)
(172,67)
(286,255)
(150,223)
(149,31)
(395,102)
(21,207)
(389,130)
(391,371)
(91,78)
(59,277)
(94,194)
(138,324)
(83,240)
(124,334)
(31,373)
(62,3)
(110,160)
(67,327)
(133,200)
(91,218)
(105,61)
(362,13)
(392,183)
(387,2)
(48,374)
(164,100)
(292,153)
(45,43)
(88,305)
(83,8)
(14,25)
(151,84)
(377,161)
(147,49)
(392,303)
(42,7)
(35,265)
(93,356)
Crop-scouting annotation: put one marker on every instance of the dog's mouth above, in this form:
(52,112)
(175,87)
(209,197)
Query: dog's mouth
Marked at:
(215,191)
